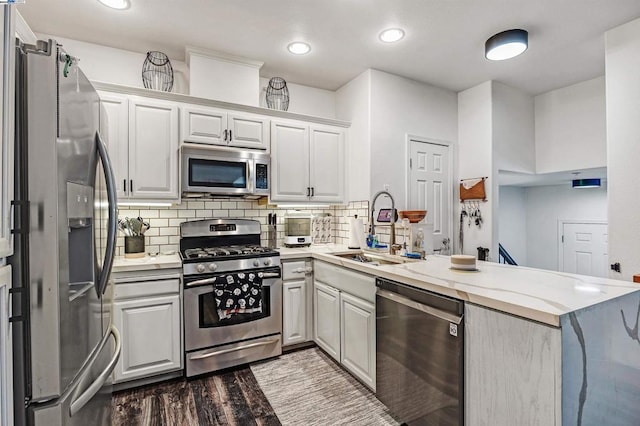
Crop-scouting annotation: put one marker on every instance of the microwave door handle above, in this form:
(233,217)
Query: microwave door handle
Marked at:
(112,224)
(250,185)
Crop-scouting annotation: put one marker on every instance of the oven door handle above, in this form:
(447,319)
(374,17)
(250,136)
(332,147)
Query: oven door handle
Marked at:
(270,275)
(212,280)
(226,351)
(201,282)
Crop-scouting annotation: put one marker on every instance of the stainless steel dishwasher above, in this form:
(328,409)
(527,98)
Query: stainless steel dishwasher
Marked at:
(419,354)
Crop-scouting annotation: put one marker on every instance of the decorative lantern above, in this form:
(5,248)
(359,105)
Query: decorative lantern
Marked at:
(277,94)
(157,72)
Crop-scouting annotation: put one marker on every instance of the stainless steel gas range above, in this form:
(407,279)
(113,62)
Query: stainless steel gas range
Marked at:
(232,302)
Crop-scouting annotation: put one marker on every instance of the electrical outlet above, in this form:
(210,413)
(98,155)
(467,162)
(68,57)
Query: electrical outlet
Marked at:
(386,187)
(615,267)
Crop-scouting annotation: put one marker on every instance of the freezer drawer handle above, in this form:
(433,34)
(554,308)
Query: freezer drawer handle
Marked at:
(226,351)
(438,313)
(93,389)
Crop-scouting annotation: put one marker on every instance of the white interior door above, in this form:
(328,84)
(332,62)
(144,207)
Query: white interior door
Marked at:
(584,249)
(430,185)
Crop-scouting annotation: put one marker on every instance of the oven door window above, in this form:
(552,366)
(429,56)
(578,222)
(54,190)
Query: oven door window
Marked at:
(208,314)
(217,173)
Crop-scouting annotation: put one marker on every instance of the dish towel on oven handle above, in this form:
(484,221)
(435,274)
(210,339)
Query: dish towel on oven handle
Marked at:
(239,293)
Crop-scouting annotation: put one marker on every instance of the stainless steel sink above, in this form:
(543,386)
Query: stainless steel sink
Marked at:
(371,259)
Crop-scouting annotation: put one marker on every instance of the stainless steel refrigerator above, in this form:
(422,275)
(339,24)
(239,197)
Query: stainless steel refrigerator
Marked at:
(65,345)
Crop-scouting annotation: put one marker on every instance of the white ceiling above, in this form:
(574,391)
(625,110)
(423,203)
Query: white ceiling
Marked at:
(543,179)
(444,44)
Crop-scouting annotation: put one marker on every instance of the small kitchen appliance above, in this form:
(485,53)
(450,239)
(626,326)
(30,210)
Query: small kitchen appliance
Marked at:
(218,336)
(297,229)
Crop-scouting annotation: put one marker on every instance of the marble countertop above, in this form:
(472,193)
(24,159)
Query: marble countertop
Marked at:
(146,263)
(535,294)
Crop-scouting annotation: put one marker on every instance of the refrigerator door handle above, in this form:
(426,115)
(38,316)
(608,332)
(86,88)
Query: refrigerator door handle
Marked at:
(112,224)
(81,401)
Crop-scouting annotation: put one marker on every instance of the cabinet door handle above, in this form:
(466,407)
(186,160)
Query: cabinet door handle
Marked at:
(308,191)
(224,134)
(131,186)
(312,191)
(230,135)
(124,185)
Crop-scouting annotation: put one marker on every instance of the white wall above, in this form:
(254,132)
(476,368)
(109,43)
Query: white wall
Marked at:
(107,64)
(546,205)
(570,127)
(400,106)
(353,103)
(305,99)
(475,159)
(622,47)
(102,63)
(513,129)
(513,223)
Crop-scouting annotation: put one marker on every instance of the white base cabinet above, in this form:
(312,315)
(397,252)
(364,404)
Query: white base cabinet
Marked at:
(326,303)
(294,323)
(345,319)
(147,313)
(358,337)
(297,303)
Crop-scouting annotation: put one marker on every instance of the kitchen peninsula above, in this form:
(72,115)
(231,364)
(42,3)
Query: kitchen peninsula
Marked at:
(541,347)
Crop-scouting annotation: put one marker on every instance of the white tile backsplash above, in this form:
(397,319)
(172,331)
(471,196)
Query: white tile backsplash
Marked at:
(164,234)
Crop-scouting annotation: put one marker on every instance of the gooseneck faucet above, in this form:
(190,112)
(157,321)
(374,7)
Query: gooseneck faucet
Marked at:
(392,237)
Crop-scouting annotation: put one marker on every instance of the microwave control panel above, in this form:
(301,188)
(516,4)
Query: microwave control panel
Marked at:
(262,176)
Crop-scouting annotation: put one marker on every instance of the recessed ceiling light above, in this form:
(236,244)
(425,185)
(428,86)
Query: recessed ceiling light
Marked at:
(506,45)
(299,48)
(391,35)
(116,4)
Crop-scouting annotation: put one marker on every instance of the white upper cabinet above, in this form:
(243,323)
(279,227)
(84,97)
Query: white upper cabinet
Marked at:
(114,129)
(142,140)
(226,128)
(203,125)
(326,163)
(248,130)
(307,162)
(289,161)
(153,149)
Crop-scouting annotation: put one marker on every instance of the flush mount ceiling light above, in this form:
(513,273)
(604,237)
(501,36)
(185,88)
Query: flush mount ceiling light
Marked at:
(585,183)
(116,4)
(299,48)
(391,35)
(506,45)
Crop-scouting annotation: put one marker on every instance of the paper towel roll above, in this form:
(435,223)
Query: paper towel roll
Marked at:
(356,232)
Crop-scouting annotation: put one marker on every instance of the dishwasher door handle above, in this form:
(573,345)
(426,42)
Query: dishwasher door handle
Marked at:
(430,310)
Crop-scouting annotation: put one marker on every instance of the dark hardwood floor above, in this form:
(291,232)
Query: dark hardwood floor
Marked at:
(228,398)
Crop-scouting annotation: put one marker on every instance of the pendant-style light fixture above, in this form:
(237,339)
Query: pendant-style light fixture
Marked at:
(506,45)
(585,183)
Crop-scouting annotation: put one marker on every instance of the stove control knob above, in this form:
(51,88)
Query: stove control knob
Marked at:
(256,263)
(200,268)
(267,262)
(213,267)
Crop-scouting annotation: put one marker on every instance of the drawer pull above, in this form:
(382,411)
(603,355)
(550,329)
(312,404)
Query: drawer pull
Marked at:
(226,351)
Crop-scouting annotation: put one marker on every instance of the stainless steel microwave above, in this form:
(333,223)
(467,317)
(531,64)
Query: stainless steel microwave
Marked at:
(223,172)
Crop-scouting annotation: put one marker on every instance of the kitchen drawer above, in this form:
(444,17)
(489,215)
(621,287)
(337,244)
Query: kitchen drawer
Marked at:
(355,283)
(295,270)
(146,288)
